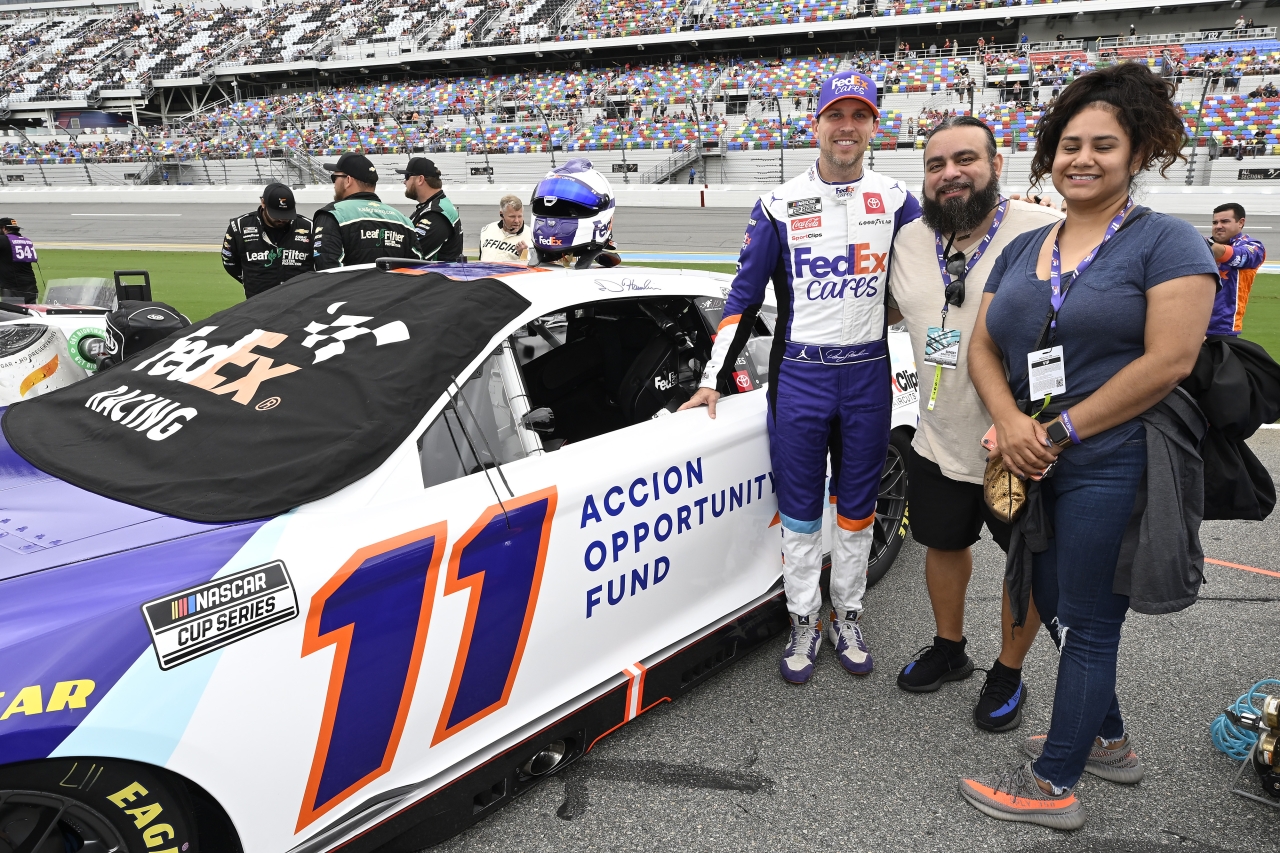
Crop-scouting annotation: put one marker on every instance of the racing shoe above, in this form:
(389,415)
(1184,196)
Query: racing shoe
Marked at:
(1118,764)
(851,647)
(943,661)
(1016,795)
(999,707)
(802,649)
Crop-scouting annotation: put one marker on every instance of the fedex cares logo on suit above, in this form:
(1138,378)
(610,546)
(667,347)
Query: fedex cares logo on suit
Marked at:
(855,273)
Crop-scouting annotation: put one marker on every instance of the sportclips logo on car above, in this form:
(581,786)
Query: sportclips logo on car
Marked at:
(854,274)
(196,360)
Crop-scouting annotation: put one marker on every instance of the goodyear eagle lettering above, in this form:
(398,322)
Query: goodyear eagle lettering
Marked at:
(65,696)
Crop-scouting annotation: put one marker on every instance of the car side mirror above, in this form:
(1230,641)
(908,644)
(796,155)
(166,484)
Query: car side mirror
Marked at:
(541,420)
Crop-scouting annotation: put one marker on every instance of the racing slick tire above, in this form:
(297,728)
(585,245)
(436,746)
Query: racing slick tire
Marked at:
(70,804)
(892,523)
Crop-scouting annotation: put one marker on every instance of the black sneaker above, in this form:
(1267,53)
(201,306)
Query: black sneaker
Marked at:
(944,661)
(999,707)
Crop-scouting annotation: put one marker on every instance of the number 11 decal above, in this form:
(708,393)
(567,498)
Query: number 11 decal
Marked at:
(499,562)
(376,611)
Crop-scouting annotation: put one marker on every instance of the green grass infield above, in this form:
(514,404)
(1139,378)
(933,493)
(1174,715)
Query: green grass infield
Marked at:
(196,284)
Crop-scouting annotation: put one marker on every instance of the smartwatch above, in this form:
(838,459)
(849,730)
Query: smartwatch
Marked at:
(1058,432)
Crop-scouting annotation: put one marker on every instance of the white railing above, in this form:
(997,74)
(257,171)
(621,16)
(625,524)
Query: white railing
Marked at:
(1188,38)
(373,50)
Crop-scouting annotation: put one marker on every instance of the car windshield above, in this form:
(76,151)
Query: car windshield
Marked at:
(85,292)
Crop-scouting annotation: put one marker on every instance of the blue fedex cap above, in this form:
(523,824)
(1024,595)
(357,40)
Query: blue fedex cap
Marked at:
(848,84)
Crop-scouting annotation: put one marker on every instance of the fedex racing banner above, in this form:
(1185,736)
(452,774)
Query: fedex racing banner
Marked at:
(273,403)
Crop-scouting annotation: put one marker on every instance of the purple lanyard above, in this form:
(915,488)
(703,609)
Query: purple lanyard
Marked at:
(977,254)
(1058,295)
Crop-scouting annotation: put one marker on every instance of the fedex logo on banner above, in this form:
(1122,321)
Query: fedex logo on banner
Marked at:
(873,202)
(806,223)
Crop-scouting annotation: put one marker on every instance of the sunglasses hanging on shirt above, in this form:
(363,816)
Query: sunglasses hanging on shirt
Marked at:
(942,345)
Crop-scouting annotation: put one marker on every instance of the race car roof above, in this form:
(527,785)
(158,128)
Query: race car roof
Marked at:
(270,404)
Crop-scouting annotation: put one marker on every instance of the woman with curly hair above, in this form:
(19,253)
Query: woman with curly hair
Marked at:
(1085,330)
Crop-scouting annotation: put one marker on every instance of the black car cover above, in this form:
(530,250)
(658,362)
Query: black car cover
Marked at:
(270,404)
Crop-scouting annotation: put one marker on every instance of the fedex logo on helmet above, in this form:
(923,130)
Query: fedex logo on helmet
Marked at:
(848,86)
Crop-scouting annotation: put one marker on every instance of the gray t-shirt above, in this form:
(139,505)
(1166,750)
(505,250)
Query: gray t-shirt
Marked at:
(951,435)
(1102,322)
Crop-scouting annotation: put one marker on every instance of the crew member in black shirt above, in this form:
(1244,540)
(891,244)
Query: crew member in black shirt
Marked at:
(358,227)
(435,218)
(270,245)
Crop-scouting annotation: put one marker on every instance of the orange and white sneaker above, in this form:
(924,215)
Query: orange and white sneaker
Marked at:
(1016,795)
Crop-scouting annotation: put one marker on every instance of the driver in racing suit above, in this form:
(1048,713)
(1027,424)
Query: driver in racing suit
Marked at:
(823,240)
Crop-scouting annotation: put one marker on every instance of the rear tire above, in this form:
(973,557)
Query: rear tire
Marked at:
(892,523)
(95,806)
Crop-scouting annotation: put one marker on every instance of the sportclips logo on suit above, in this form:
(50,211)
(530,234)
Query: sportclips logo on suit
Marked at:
(196,360)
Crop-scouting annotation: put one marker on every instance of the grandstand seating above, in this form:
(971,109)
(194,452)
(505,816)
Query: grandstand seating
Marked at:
(1236,116)
(636,106)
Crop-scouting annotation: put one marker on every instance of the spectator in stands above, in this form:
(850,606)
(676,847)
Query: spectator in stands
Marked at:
(17,258)
(1240,23)
(270,245)
(962,211)
(357,227)
(438,223)
(1239,256)
(1116,345)
(510,237)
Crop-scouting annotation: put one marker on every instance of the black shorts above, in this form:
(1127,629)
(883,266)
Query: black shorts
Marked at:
(948,514)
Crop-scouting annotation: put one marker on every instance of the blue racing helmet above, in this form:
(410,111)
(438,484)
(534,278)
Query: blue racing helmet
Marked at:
(573,213)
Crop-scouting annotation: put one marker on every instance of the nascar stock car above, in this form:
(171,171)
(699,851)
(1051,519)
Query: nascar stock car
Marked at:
(356,562)
(56,342)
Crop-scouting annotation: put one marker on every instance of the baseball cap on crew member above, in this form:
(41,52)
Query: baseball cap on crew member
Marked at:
(278,200)
(8,222)
(848,84)
(357,166)
(420,166)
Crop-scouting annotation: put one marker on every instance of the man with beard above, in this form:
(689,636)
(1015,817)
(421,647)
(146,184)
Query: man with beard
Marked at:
(822,240)
(940,265)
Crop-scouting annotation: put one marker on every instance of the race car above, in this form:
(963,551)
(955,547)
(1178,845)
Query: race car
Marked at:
(54,343)
(353,564)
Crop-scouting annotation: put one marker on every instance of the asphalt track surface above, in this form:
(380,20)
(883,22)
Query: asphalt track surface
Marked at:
(196,227)
(748,762)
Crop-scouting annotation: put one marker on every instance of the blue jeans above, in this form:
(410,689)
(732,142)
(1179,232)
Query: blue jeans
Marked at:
(1090,507)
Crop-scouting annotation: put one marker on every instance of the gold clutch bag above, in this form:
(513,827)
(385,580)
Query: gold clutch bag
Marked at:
(1005,494)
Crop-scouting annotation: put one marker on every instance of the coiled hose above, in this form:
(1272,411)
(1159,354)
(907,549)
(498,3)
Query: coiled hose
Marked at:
(1232,740)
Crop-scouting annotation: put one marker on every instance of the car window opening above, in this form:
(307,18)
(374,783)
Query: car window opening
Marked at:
(451,448)
(607,365)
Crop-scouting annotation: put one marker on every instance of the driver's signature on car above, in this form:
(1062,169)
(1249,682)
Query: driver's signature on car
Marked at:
(623,286)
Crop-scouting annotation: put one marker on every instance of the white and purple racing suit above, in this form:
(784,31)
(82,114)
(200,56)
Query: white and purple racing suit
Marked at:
(825,247)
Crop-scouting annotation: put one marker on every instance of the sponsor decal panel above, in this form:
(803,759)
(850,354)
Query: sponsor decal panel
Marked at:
(806,223)
(873,202)
(63,696)
(188,624)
